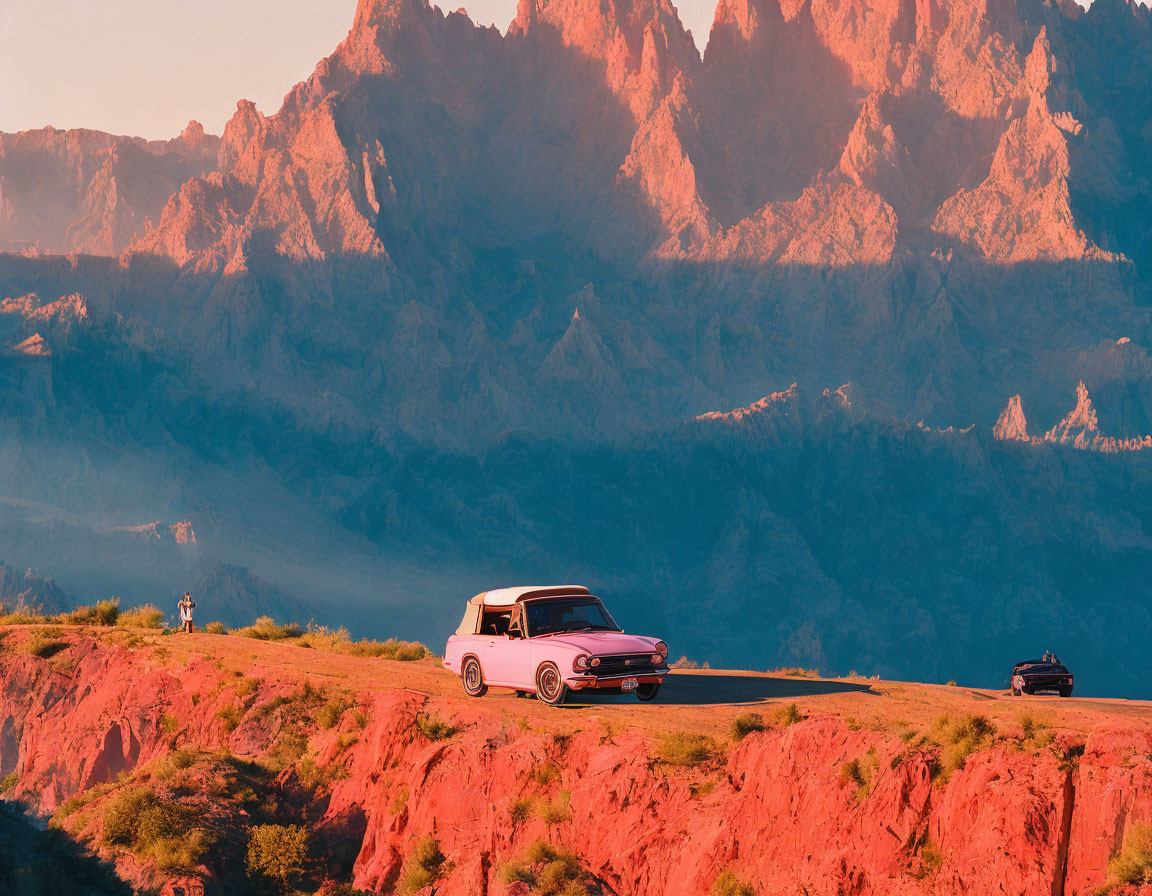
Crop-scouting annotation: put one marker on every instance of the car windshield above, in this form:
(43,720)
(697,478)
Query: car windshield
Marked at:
(548,617)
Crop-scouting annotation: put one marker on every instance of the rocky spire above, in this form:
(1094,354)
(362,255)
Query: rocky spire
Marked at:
(1080,422)
(1011,425)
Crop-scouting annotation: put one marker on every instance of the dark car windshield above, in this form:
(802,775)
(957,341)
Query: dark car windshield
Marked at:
(547,617)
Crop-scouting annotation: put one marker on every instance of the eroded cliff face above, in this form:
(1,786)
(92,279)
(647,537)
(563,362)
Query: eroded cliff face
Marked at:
(779,809)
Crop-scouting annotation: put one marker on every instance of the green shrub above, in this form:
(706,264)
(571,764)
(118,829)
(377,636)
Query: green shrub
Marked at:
(685,748)
(21,613)
(547,871)
(728,884)
(545,773)
(425,866)
(229,716)
(245,686)
(181,759)
(1133,864)
(860,772)
(278,853)
(44,642)
(266,629)
(959,739)
(744,725)
(340,641)
(144,616)
(433,728)
(329,714)
(9,782)
(160,830)
(555,810)
(931,858)
(216,628)
(787,715)
(797,672)
(521,809)
(104,612)
(1037,732)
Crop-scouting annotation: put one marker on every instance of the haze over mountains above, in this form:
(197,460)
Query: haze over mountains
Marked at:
(472,309)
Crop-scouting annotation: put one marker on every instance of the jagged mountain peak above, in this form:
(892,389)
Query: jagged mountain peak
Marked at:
(776,402)
(1012,425)
(1080,422)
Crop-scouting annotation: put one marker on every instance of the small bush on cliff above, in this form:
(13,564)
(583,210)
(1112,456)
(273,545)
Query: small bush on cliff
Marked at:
(685,748)
(744,725)
(144,616)
(547,871)
(555,810)
(216,628)
(278,854)
(959,739)
(728,884)
(521,809)
(860,772)
(340,641)
(788,715)
(433,727)
(1133,864)
(21,613)
(329,714)
(44,643)
(1037,733)
(229,717)
(9,782)
(162,831)
(104,612)
(425,866)
(796,672)
(266,629)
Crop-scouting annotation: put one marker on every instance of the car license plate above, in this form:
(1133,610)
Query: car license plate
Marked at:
(629,684)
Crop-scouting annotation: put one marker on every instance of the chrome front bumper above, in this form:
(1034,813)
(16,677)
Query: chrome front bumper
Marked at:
(591,682)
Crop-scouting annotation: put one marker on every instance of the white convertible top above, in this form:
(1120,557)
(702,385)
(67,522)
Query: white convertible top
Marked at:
(508,597)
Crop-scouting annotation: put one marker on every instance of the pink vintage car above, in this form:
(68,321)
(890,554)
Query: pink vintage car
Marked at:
(549,641)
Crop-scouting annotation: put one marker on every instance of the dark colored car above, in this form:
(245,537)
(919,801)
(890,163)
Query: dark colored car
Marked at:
(1045,675)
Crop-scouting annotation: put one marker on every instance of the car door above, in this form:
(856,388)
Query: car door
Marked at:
(507,658)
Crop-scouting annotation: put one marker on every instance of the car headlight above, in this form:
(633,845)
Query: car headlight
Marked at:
(580,663)
(594,662)
(662,649)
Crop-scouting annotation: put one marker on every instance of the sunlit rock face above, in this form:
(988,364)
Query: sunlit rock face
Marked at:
(446,313)
(87,191)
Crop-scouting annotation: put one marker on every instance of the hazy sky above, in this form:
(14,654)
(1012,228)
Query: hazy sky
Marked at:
(146,67)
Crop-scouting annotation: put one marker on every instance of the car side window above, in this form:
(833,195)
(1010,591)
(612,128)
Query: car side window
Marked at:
(516,622)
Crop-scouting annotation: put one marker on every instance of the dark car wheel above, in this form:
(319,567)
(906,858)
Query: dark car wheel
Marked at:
(648,691)
(473,678)
(550,686)
(1065,692)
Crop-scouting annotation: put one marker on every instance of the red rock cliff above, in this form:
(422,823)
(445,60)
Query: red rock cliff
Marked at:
(824,805)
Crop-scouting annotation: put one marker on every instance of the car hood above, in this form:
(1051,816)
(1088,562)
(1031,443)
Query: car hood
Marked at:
(603,643)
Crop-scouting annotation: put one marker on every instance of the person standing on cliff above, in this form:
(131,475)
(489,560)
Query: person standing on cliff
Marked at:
(186,606)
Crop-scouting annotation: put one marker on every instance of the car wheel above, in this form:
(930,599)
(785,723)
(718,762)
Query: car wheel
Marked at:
(1065,692)
(648,691)
(473,678)
(550,686)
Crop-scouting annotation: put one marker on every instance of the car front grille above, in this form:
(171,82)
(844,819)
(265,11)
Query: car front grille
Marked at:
(625,663)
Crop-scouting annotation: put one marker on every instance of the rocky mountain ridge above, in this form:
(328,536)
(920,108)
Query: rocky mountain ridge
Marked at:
(445,317)
(87,191)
